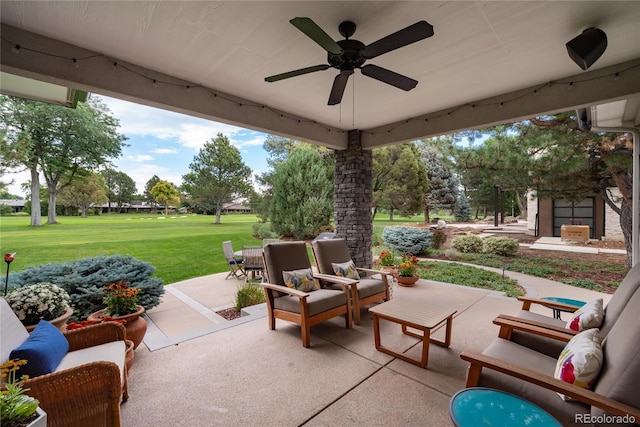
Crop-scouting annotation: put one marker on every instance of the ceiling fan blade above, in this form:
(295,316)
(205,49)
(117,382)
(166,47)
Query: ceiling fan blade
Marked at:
(413,33)
(295,73)
(339,83)
(389,77)
(317,34)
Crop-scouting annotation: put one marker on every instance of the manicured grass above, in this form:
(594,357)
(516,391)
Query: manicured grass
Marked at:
(179,247)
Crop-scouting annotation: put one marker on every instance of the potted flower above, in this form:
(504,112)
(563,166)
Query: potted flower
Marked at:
(407,270)
(40,301)
(16,408)
(122,304)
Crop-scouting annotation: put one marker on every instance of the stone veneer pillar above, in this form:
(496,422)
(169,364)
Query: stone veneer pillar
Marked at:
(353,198)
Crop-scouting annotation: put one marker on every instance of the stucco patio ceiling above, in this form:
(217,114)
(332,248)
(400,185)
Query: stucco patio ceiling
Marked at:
(488,62)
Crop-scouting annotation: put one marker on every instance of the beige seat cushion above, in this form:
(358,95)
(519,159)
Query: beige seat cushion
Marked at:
(12,332)
(110,352)
(318,301)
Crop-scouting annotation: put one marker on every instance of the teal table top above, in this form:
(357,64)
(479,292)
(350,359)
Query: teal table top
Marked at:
(565,301)
(478,406)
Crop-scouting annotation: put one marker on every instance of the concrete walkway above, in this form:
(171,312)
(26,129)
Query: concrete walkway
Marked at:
(198,369)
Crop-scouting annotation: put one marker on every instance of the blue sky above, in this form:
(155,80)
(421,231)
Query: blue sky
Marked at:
(164,143)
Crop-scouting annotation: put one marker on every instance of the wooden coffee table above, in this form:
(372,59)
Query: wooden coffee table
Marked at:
(420,315)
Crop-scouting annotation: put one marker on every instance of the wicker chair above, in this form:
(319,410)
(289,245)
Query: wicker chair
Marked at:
(87,394)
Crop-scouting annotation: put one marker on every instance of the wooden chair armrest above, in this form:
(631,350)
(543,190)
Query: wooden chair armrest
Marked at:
(73,396)
(527,301)
(90,336)
(345,282)
(479,361)
(509,323)
(284,290)
(372,271)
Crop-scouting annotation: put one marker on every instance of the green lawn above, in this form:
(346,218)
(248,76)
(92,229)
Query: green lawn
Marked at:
(178,247)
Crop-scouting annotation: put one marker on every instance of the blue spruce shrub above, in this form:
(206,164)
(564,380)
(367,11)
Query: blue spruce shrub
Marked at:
(84,278)
(407,240)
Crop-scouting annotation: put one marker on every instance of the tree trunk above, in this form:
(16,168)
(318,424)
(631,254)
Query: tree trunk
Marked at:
(36,219)
(218,213)
(521,205)
(427,219)
(51,209)
(626,219)
(83,211)
(390,214)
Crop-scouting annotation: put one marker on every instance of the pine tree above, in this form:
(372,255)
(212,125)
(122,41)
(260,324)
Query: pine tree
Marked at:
(462,211)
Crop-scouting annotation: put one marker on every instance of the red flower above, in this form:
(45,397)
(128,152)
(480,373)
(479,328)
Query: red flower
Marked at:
(9,257)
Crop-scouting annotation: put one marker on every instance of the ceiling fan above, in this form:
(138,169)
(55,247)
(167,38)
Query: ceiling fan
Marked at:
(348,54)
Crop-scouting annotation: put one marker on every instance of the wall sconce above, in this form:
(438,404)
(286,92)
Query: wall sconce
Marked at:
(586,48)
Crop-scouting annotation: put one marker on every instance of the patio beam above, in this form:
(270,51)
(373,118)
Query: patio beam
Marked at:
(594,87)
(31,55)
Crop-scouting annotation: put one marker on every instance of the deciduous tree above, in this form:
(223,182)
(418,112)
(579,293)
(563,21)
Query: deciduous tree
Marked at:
(165,193)
(84,191)
(58,142)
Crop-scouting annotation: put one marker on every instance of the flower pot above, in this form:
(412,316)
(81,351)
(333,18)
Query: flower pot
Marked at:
(129,355)
(41,420)
(135,324)
(407,281)
(58,322)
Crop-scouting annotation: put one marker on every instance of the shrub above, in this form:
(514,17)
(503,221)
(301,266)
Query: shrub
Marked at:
(264,231)
(255,228)
(407,240)
(503,246)
(248,294)
(438,239)
(5,209)
(469,243)
(83,279)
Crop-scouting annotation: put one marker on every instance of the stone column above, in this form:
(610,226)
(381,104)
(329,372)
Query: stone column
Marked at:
(353,198)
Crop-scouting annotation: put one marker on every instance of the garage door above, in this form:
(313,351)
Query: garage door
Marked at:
(573,213)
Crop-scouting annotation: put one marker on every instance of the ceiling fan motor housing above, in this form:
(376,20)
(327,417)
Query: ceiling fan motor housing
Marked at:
(351,57)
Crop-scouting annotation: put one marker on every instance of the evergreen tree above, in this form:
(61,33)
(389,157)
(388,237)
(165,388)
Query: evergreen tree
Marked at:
(217,175)
(462,211)
(442,187)
(302,201)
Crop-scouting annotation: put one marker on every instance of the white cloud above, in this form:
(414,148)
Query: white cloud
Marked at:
(165,151)
(140,158)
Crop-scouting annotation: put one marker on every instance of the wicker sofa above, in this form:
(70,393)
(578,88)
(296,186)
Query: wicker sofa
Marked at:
(87,386)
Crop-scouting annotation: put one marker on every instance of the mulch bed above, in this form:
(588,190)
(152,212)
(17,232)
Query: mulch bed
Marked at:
(229,313)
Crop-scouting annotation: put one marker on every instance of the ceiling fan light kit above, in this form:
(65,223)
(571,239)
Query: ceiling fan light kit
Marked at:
(348,54)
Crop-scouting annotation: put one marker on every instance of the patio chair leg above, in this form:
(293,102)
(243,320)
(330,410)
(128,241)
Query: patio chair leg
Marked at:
(306,336)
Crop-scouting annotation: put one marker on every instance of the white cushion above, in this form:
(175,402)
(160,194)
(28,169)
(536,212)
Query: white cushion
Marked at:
(588,316)
(12,331)
(110,352)
(581,360)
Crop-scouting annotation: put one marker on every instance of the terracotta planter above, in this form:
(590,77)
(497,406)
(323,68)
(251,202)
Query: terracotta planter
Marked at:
(58,322)
(129,355)
(407,281)
(136,325)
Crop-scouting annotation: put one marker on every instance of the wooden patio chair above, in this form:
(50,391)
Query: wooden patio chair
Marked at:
(305,303)
(252,261)
(513,368)
(552,347)
(234,262)
(365,289)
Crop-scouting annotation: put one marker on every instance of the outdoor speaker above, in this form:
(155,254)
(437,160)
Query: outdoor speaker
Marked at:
(586,48)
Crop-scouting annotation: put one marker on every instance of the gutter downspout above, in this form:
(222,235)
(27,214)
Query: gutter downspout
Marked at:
(635,225)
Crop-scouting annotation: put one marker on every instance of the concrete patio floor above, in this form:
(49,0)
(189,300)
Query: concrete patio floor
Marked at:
(197,369)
